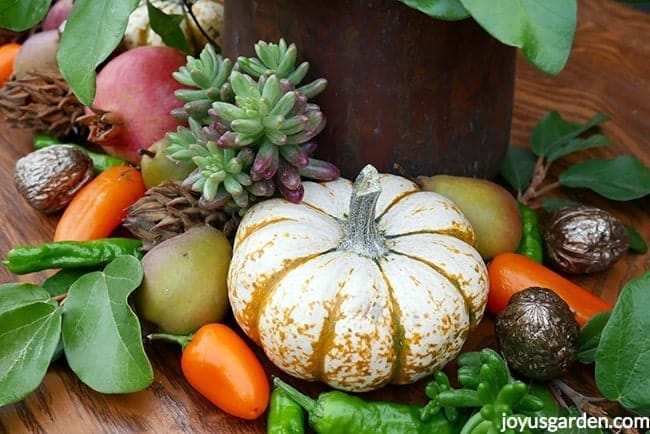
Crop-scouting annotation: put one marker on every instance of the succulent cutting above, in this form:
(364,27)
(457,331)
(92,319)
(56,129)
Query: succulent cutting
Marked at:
(250,126)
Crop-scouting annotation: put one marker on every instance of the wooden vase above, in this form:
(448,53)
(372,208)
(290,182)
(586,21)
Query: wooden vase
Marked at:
(430,95)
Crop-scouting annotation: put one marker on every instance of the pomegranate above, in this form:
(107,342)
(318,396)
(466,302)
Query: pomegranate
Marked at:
(133,101)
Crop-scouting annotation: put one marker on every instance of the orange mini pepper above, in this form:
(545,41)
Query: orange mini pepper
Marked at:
(220,365)
(8,54)
(99,207)
(512,272)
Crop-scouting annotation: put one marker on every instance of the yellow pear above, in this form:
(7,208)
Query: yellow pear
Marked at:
(489,207)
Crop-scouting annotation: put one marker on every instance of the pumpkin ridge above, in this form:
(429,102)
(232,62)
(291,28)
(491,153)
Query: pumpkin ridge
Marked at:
(461,235)
(396,319)
(326,338)
(395,200)
(249,229)
(451,279)
(265,288)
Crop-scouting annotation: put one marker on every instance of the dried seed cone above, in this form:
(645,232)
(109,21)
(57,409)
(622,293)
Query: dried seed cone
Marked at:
(42,102)
(168,210)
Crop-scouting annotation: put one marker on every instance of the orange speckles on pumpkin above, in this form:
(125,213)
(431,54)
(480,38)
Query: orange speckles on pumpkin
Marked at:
(415,280)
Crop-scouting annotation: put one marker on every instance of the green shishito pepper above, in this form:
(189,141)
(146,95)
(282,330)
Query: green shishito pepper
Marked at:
(101,162)
(285,415)
(70,254)
(336,412)
(531,236)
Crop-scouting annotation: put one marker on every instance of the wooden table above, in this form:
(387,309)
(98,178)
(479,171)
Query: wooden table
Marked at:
(608,72)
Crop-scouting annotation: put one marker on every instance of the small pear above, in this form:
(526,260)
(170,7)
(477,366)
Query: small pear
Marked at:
(157,166)
(184,283)
(489,207)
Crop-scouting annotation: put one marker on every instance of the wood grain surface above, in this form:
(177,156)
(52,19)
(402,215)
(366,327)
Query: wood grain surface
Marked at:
(608,71)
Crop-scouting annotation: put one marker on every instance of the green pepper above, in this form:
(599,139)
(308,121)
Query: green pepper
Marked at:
(70,254)
(100,161)
(285,416)
(531,236)
(336,412)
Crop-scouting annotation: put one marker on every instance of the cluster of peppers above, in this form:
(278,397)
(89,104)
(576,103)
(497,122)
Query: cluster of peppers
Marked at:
(489,395)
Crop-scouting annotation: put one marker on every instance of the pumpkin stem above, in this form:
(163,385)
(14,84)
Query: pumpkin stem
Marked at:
(362,236)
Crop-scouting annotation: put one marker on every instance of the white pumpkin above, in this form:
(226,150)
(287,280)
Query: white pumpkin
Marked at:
(358,287)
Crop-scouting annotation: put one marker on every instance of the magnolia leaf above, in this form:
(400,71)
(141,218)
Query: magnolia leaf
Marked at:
(517,167)
(441,9)
(92,31)
(168,27)
(622,358)
(29,335)
(15,295)
(543,30)
(553,137)
(578,144)
(19,15)
(590,336)
(621,178)
(101,334)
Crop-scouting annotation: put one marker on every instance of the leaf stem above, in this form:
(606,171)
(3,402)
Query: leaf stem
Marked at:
(533,191)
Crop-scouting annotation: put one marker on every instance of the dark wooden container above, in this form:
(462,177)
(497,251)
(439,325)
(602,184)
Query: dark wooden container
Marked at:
(433,96)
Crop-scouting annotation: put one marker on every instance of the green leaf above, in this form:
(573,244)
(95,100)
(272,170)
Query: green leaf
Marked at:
(552,204)
(60,282)
(101,334)
(93,30)
(621,178)
(637,243)
(168,27)
(517,167)
(29,336)
(623,356)
(578,144)
(543,30)
(19,15)
(450,10)
(590,336)
(15,295)
(554,137)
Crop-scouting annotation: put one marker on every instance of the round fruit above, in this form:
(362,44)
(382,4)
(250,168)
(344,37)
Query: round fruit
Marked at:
(184,285)
(157,166)
(133,101)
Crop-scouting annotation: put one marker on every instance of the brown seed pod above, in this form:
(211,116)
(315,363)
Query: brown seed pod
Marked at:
(584,239)
(538,334)
(48,178)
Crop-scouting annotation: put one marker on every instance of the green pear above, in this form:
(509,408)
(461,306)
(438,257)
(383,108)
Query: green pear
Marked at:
(489,207)
(157,166)
(184,283)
